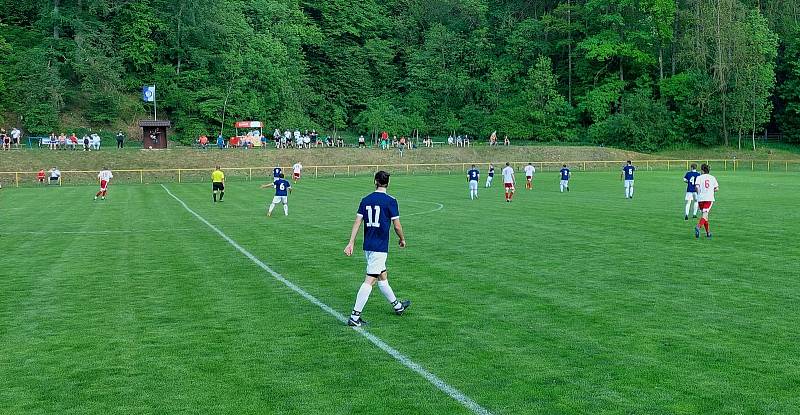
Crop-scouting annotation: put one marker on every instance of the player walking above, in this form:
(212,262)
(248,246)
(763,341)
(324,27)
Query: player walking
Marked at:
(509,181)
(105,178)
(627,174)
(282,190)
(706,186)
(529,172)
(490,176)
(218,184)
(296,169)
(691,191)
(565,175)
(472,178)
(379,210)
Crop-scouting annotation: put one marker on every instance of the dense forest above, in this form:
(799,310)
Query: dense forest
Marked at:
(641,74)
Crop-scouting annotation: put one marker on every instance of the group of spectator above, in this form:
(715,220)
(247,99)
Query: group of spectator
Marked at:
(459,140)
(402,143)
(88,142)
(9,139)
(54,174)
(280,139)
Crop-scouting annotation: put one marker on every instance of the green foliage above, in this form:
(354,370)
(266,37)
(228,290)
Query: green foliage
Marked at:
(646,124)
(540,70)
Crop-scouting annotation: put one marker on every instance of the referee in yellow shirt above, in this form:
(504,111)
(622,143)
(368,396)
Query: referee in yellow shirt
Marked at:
(218,184)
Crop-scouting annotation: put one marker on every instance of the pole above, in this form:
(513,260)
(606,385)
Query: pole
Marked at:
(155,105)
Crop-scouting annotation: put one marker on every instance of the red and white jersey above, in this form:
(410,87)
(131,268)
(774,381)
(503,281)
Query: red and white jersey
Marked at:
(508,174)
(706,185)
(296,168)
(105,175)
(529,170)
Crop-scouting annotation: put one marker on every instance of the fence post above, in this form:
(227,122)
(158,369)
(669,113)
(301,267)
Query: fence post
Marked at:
(787,166)
(250,178)
(752,165)
(315,171)
(407,169)
(667,165)
(725,164)
(434,168)
(16,178)
(141,176)
(768,165)
(179,175)
(647,165)
(584,166)
(687,164)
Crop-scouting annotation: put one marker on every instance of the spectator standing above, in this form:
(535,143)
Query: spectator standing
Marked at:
(53,141)
(121,139)
(220,141)
(16,135)
(362,142)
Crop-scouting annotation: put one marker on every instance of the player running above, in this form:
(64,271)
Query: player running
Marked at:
(627,174)
(472,178)
(218,184)
(691,191)
(706,186)
(379,211)
(490,176)
(529,172)
(565,175)
(276,173)
(509,181)
(282,190)
(296,169)
(105,178)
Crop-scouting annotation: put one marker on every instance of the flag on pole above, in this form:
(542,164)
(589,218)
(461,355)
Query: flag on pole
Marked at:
(149,93)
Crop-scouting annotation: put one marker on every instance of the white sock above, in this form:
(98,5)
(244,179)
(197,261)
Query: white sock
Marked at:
(389,294)
(286,210)
(631,191)
(688,206)
(695,209)
(361,299)
(562,188)
(271,206)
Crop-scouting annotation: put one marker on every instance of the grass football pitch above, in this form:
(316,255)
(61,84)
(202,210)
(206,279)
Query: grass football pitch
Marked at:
(576,303)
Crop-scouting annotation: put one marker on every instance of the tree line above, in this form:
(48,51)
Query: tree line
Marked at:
(640,74)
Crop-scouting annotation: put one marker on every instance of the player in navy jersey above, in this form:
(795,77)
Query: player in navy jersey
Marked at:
(565,175)
(276,174)
(627,175)
(691,191)
(490,176)
(378,211)
(282,190)
(472,179)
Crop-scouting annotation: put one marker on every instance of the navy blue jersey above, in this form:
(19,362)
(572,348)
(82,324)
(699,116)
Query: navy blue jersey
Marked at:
(282,187)
(473,174)
(276,172)
(691,178)
(378,210)
(628,171)
(491,171)
(565,174)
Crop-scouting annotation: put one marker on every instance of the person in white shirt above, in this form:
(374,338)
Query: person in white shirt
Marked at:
(105,178)
(95,141)
(298,139)
(297,168)
(707,187)
(509,181)
(529,171)
(55,176)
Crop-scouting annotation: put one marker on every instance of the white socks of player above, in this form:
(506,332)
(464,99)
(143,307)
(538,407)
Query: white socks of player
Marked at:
(473,194)
(271,207)
(286,210)
(689,206)
(361,300)
(389,294)
(562,188)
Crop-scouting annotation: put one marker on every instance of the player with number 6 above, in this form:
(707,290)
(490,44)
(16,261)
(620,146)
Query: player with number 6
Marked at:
(378,211)
(282,190)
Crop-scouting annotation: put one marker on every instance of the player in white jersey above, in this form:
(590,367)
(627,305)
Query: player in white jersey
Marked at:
(706,186)
(296,169)
(105,178)
(509,181)
(529,172)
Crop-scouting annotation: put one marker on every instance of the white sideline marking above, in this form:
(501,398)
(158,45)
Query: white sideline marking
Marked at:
(430,377)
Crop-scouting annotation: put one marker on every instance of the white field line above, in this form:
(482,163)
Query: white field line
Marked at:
(452,392)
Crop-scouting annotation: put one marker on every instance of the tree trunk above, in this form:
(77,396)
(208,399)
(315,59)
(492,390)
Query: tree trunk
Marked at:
(224,109)
(56,20)
(661,62)
(569,51)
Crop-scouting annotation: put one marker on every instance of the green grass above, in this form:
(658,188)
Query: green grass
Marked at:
(581,302)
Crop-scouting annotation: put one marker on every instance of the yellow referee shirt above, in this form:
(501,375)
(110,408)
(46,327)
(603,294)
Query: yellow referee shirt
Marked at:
(217,176)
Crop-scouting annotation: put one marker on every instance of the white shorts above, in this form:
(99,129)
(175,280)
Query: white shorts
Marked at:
(628,183)
(691,196)
(565,183)
(376,262)
(280,199)
(473,185)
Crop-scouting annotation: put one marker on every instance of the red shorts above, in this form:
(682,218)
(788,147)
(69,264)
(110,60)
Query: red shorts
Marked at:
(509,185)
(705,206)
(529,178)
(296,175)
(103,184)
